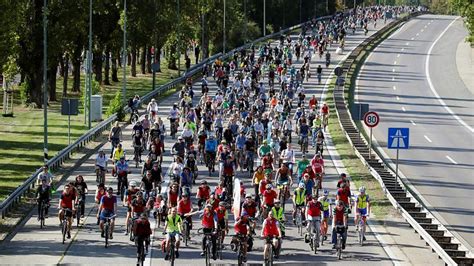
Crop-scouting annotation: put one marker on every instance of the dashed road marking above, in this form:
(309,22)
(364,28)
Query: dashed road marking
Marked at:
(394,88)
(403,108)
(413,122)
(407,43)
(398,55)
(422,30)
(393,70)
(426,26)
(398,98)
(412,38)
(395,62)
(417,34)
(428,139)
(451,159)
(393,78)
(403,49)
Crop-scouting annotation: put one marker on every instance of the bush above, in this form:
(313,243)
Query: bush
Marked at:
(116,106)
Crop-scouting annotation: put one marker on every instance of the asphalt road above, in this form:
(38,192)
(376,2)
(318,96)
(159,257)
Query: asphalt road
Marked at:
(395,82)
(31,245)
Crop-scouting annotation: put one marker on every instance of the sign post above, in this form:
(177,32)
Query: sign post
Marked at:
(398,138)
(69,107)
(371,119)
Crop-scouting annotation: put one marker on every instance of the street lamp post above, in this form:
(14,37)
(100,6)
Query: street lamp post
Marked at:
(124,52)
(89,63)
(179,43)
(45,79)
(264,16)
(223,33)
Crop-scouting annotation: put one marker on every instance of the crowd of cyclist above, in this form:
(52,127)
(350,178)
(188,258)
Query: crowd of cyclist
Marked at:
(251,124)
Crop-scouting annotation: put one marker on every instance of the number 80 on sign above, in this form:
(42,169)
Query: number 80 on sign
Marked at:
(371,119)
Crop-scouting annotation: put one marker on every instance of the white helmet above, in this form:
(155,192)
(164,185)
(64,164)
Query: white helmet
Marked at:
(133,183)
(362,189)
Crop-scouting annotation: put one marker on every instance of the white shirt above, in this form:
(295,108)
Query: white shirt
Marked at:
(101,161)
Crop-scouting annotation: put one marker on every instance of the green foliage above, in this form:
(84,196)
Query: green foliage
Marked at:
(116,106)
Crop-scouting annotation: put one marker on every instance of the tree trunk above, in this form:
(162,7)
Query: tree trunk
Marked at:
(76,69)
(61,66)
(148,60)
(143,60)
(129,58)
(107,67)
(114,68)
(172,62)
(158,57)
(97,66)
(133,67)
(65,73)
(205,44)
(52,71)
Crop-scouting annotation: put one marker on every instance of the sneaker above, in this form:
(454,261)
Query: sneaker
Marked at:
(245,259)
(167,257)
(68,235)
(202,254)
(333,246)
(214,256)
(177,254)
(306,239)
(125,233)
(357,228)
(325,238)
(294,221)
(46,216)
(343,246)
(102,234)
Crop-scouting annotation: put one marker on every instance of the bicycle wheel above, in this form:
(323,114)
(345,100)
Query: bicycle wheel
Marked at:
(208,253)
(64,229)
(315,243)
(78,214)
(339,247)
(172,255)
(219,247)
(240,256)
(186,233)
(106,234)
(41,215)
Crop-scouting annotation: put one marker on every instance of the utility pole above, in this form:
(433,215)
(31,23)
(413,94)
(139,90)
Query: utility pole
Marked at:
(202,35)
(264,16)
(45,79)
(179,43)
(124,52)
(245,20)
(327,7)
(89,64)
(300,12)
(223,33)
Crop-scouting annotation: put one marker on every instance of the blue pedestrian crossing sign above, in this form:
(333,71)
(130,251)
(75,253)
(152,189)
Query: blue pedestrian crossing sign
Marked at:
(398,138)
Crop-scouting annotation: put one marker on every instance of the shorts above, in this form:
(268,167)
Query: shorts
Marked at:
(67,212)
(170,235)
(282,183)
(362,212)
(104,214)
(221,224)
(326,214)
(269,239)
(300,205)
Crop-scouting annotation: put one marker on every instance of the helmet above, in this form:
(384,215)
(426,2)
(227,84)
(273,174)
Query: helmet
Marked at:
(314,196)
(265,141)
(110,189)
(301,185)
(277,201)
(208,205)
(326,192)
(321,198)
(269,186)
(362,189)
(133,183)
(203,182)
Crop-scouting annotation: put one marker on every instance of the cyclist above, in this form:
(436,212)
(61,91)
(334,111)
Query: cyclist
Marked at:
(326,213)
(317,165)
(211,149)
(121,170)
(304,131)
(174,114)
(271,234)
(325,114)
(115,136)
(313,216)
(100,192)
(249,207)
(118,153)
(319,72)
(344,194)
(173,194)
(288,157)
(138,205)
(43,194)
(258,176)
(222,220)
(185,206)
(240,145)
(142,232)
(299,199)
(179,147)
(101,162)
(242,234)
(343,179)
(301,166)
(152,109)
(203,193)
(81,189)
(45,175)
(362,207)
(209,225)
(185,181)
(283,179)
(339,218)
(277,211)
(172,228)
(264,149)
(269,196)
(308,181)
(66,206)
(107,208)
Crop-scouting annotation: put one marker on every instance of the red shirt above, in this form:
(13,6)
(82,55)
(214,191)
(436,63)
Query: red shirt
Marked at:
(270,227)
(314,209)
(219,190)
(267,162)
(344,194)
(108,202)
(310,172)
(221,211)
(67,199)
(131,194)
(269,196)
(250,208)
(325,109)
(142,227)
(339,215)
(241,228)
(184,206)
(100,194)
(204,192)
(208,219)
(138,206)
(263,185)
(214,203)
(313,102)
(173,198)
(317,165)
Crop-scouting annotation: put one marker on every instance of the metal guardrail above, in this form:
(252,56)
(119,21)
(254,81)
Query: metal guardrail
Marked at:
(63,155)
(349,65)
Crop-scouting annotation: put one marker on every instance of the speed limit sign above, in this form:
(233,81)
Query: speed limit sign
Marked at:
(371,119)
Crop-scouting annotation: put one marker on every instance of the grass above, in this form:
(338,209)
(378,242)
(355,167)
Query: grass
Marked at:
(21,137)
(358,172)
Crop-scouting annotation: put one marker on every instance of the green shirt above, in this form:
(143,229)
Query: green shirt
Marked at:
(264,149)
(302,165)
(174,225)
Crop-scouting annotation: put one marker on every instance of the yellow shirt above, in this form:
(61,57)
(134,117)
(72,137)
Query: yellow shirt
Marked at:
(118,153)
(259,177)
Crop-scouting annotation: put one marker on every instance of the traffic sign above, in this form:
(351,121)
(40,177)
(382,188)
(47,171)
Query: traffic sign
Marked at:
(398,138)
(371,119)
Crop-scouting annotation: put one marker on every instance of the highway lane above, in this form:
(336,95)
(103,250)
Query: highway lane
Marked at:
(32,245)
(440,160)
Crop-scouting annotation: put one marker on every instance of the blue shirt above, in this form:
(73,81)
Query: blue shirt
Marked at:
(240,141)
(122,166)
(308,186)
(211,145)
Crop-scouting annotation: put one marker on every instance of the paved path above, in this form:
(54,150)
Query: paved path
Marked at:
(406,91)
(32,245)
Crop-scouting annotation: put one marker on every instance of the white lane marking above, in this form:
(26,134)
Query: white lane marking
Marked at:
(393,69)
(398,55)
(407,43)
(394,88)
(422,30)
(451,159)
(417,34)
(403,108)
(398,98)
(412,38)
(403,49)
(395,62)
(426,26)
(428,139)
(441,101)
(393,78)
(431,21)
(413,122)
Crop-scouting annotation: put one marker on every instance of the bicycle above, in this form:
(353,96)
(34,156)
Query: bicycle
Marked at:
(268,261)
(100,175)
(130,223)
(186,231)
(137,155)
(79,206)
(208,246)
(172,250)
(228,183)
(339,241)
(304,144)
(42,210)
(361,230)
(283,194)
(173,128)
(141,254)
(299,220)
(314,226)
(64,223)
(249,160)
(210,162)
(240,249)
(219,242)
(107,231)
